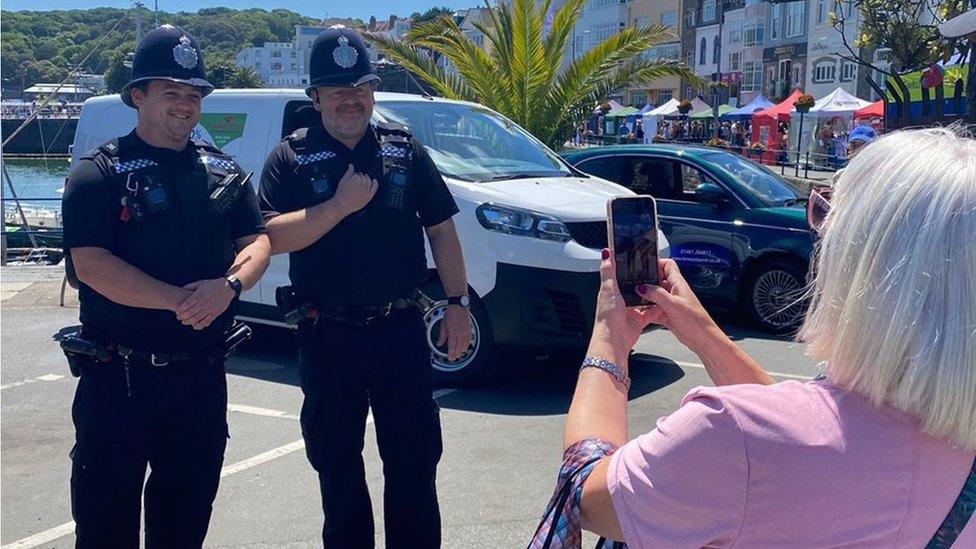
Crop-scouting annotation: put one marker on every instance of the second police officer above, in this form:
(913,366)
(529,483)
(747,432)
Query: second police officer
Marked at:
(350,201)
(163,234)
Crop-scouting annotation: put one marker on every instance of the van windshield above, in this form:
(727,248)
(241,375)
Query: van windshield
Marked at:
(473,143)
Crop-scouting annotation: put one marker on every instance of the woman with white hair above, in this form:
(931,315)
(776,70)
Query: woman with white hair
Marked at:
(879,453)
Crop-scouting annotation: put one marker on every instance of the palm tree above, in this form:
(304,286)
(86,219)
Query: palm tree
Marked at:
(244,77)
(519,74)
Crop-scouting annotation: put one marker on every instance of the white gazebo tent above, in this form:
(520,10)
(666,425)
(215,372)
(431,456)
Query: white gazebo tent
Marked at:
(650,118)
(837,103)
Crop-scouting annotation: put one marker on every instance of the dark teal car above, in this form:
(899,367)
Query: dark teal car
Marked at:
(737,230)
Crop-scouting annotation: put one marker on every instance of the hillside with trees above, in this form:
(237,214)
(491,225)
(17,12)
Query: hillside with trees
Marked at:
(43,46)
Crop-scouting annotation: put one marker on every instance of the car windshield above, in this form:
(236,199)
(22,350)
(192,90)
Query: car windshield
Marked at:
(762,183)
(473,143)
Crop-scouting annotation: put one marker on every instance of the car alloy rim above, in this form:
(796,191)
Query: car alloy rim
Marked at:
(438,358)
(777,298)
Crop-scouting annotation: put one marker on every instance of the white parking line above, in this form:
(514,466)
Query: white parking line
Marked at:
(702,367)
(45,377)
(254,410)
(281,451)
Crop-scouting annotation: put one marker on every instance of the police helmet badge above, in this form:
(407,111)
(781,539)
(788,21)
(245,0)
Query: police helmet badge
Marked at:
(345,55)
(184,54)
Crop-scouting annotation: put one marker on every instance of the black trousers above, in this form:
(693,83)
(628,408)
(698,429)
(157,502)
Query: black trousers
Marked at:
(174,419)
(345,371)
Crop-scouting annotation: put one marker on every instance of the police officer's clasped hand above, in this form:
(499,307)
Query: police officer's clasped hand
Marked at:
(355,191)
(210,298)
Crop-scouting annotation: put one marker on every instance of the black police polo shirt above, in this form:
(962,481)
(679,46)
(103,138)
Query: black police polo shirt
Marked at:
(375,255)
(185,244)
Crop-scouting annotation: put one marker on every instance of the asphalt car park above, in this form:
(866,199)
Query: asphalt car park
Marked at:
(502,436)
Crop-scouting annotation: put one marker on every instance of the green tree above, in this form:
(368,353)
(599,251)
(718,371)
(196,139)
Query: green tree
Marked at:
(518,74)
(244,77)
(117,74)
(896,26)
(431,14)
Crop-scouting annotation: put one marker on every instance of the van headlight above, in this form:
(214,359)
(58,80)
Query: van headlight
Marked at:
(521,222)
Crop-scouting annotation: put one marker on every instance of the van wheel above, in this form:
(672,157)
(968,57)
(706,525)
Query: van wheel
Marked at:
(774,296)
(476,359)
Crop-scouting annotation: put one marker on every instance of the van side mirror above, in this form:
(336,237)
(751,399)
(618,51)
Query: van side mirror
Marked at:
(712,194)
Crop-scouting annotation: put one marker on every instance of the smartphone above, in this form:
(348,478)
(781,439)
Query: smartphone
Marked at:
(632,232)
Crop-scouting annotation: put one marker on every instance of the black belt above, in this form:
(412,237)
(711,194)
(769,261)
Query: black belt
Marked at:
(365,316)
(162,358)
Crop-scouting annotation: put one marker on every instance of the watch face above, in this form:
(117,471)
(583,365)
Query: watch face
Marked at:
(465,301)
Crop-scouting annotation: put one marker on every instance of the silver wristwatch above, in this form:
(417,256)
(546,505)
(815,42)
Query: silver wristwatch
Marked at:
(609,367)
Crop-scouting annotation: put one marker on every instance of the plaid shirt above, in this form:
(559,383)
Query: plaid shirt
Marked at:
(562,516)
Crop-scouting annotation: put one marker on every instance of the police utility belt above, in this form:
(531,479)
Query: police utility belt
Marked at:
(81,349)
(300,310)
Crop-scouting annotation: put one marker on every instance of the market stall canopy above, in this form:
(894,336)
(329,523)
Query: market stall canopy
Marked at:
(782,110)
(622,112)
(837,103)
(874,110)
(613,106)
(668,108)
(747,110)
(707,113)
(696,105)
(646,109)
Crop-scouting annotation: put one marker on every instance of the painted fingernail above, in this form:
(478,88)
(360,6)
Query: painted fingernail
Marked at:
(605,253)
(642,288)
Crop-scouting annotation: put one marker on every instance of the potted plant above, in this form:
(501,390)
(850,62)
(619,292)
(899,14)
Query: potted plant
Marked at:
(684,107)
(716,142)
(804,103)
(756,149)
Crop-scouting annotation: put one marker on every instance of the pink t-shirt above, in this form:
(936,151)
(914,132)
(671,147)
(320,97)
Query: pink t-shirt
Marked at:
(789,465)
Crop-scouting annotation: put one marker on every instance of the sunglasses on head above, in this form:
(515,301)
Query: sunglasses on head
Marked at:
(817,206)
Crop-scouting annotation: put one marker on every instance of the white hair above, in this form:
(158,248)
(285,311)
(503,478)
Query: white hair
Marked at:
(893,309)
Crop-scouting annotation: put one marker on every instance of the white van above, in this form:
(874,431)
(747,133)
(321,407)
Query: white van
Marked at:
(531,226)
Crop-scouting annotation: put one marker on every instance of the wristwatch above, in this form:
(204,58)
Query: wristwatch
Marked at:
(235,285)
(462,301)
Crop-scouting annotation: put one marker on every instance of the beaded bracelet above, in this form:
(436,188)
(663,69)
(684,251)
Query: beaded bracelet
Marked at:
(609,367)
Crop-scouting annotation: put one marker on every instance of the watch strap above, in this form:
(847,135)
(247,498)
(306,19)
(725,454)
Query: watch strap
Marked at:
(609,367)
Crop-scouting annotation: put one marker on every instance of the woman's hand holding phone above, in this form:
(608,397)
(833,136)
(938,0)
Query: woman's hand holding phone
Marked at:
(677,308)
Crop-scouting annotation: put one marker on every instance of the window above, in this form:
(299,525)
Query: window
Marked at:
(735,61)
(669,18)
(701,51)
(848,71)
(752,76)
(821,11)
(689,18)
(690,58)
(653,176)
(824,72)
(664,96)
(609,168)
(735,32)
(643,21)
(794,19)
(798,75)
(777,21)
(716,46)
(753,34)
(664,51)
(708,10)
(276,53)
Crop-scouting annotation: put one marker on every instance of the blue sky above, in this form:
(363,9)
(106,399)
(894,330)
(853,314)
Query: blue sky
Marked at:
(313,8)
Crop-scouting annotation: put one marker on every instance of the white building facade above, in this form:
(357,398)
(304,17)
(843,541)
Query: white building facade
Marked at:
(826,70)
(743,40)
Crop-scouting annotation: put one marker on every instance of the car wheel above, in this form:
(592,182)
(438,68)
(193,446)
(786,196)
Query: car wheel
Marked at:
(476,359)
(775,296)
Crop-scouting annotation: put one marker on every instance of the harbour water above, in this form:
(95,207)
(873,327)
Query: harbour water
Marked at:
(36,178)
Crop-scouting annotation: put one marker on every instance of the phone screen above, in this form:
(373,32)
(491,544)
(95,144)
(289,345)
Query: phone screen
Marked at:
(634,226)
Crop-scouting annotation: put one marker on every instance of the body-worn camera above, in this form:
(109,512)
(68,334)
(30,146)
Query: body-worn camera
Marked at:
(146,196)
(396,171)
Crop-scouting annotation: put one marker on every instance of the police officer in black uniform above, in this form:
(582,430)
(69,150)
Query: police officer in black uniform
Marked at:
(164,233)
(351,201)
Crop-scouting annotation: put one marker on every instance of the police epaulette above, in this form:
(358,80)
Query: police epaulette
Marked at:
(209,147)
(297,135)
(110,147)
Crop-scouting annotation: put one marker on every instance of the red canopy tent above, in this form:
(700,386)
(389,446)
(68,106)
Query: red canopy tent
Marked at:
(765,125)
(874,110)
